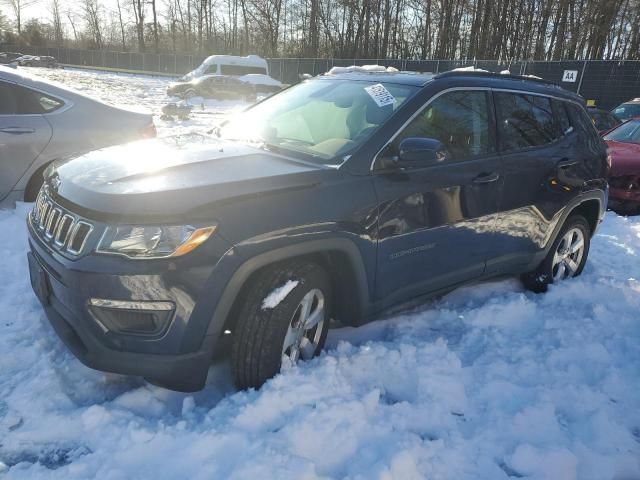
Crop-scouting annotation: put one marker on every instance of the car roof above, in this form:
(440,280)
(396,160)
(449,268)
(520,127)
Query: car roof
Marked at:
(402,78)
(633,101)
(53,88)
(28,80)
(488,79)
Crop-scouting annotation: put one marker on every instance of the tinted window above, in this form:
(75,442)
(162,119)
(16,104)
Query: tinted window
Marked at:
(562,116)
(524,121)
(240,70)
(600,121)
(460,120)
(16,100)
(580,119)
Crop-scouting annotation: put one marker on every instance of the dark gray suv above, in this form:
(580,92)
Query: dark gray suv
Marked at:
(330,201)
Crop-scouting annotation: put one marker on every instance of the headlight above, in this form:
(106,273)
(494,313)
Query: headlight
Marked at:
(153,241)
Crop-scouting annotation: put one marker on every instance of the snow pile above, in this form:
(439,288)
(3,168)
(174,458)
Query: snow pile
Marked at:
(361,69)
(279,294)
(489,382)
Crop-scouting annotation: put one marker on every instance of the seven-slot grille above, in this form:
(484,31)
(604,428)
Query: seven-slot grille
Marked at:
(55,225)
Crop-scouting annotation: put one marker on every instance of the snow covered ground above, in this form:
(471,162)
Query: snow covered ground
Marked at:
(489,382)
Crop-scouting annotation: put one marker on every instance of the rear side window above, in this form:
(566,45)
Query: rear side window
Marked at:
(580,119)
(524,121)
(240,70)
(604,120)
(460,120)
(17,100)
(562,116)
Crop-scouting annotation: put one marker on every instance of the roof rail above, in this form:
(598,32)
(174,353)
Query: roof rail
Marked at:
(455,73)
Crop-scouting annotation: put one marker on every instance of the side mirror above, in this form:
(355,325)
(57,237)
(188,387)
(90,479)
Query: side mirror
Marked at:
(420,152)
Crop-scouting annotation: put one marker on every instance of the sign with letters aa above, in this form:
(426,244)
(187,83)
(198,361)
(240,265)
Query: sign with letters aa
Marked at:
(570,76)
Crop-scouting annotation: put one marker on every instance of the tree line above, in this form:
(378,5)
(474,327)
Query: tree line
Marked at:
(414,29)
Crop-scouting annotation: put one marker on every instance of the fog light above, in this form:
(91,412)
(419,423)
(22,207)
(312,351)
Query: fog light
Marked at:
(134,318)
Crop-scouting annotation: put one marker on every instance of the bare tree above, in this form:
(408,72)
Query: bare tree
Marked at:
(138,12)
(124,43)
(91,12)
(56,22)
(18,6)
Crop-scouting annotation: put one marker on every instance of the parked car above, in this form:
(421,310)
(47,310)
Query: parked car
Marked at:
(603,120)
(250,69)
(213,86)
(332,200)
(42,121)
(624,177)
(628,109)
(36,61)
(229,65)
(262,83)
(8,57)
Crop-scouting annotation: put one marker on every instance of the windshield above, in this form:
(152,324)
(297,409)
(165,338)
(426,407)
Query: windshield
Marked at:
(627,110)
(324,119)
(628,132)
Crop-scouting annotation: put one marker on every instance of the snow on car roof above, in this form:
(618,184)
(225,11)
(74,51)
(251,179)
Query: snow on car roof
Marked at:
(248,61)
(361,68)
(259,79)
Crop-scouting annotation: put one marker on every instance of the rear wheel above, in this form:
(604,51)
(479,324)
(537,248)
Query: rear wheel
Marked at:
(566,258)
(284,319)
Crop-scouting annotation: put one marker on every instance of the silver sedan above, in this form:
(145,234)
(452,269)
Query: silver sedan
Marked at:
(42,121)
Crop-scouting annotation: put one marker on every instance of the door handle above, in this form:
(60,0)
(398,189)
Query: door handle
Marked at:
(566,163)
(486,177)
(17,130)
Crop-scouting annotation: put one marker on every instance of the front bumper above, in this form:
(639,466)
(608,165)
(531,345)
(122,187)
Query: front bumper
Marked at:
(178,356)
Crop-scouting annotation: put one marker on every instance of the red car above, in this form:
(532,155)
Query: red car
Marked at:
(624,177)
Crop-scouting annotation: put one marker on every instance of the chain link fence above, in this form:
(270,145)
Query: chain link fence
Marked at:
(607,83)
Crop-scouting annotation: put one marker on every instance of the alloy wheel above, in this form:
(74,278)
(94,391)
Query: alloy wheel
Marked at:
(568,255)
(305,329)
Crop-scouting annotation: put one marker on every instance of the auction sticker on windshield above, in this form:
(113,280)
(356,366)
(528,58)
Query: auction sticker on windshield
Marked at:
(380,95)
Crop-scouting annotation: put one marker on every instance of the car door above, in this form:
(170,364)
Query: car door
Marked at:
(538,149)
(24,132)
(435,221)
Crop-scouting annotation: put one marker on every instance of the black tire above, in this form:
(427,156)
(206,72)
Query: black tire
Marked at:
(259,335)
(539,279)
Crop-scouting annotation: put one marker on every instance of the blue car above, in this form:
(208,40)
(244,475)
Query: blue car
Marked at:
(328,202)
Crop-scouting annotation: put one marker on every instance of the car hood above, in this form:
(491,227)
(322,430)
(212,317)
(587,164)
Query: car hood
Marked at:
(173,176)
(625,158)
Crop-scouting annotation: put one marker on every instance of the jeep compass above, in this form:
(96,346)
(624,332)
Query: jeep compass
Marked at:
(330,201)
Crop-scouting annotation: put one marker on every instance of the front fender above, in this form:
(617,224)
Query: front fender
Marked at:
(239,263)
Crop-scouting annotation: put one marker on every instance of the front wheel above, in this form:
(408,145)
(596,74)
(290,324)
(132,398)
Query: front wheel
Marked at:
(284,319)
(566,258)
